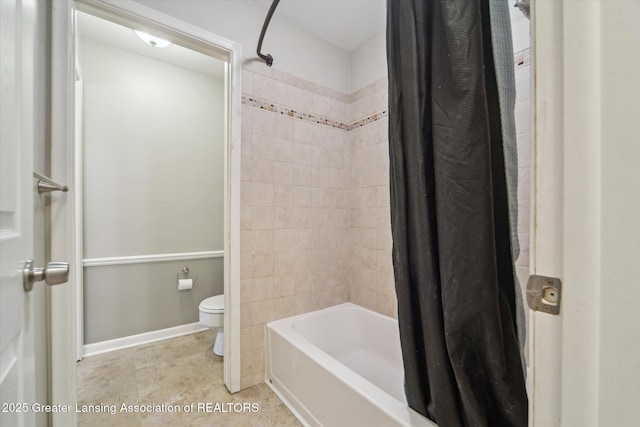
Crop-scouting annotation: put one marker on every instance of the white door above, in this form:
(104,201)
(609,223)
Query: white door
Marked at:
(585,361)
(18,377)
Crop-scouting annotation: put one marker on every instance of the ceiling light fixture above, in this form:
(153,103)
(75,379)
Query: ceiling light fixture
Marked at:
(151,40)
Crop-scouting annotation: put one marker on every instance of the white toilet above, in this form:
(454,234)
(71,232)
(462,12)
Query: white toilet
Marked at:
(212,316)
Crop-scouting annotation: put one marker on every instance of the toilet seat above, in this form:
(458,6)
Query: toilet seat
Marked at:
(213,305)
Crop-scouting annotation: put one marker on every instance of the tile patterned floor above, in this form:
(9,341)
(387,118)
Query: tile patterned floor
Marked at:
(179,371)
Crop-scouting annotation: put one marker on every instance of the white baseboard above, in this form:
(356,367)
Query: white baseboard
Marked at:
(139,339)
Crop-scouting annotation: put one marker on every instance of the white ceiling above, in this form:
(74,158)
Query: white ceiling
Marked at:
(344,23)
(125,38)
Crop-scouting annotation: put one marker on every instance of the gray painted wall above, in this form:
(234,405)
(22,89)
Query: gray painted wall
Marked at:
(153,183)
(131,299)
(153,155)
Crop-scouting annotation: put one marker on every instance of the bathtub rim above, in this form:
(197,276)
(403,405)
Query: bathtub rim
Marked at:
(392,407)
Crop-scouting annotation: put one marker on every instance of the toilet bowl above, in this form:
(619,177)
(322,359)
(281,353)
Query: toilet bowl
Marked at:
(212,316)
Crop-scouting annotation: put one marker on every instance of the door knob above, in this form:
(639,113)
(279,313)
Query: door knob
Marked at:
(54,274)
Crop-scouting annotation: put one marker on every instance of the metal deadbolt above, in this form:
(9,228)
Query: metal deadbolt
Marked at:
(544,294)
(54,274)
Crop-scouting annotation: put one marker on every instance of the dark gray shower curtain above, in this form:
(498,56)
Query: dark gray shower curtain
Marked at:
(452,250)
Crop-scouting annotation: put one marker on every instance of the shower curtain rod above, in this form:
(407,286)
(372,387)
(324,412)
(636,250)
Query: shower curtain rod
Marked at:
(267,58)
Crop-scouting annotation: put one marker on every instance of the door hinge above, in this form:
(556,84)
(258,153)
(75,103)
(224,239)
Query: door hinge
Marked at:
(544,294)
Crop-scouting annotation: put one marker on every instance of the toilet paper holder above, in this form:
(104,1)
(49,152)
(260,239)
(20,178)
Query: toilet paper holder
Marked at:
(185,274)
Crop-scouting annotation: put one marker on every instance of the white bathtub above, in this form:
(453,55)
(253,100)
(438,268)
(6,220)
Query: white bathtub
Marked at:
(340,366)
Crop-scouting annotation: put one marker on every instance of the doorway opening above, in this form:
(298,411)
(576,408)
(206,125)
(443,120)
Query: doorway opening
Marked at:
(157,181)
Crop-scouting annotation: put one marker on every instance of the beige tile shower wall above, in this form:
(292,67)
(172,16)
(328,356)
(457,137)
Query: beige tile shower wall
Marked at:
(315,201)
(294,209)
(370,277)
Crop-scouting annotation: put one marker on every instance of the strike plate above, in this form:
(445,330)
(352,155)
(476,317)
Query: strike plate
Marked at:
(544,294)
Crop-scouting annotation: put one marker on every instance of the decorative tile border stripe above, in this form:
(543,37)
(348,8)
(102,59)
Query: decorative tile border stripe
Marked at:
(370,119)
(289,112)
(521,59)
(311,118)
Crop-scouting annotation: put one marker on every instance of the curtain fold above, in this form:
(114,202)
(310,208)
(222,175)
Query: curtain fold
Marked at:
(505,76)
(450,215)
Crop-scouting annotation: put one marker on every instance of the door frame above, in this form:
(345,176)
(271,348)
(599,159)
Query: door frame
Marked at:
(65,234)
(565,202)
(62,366)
